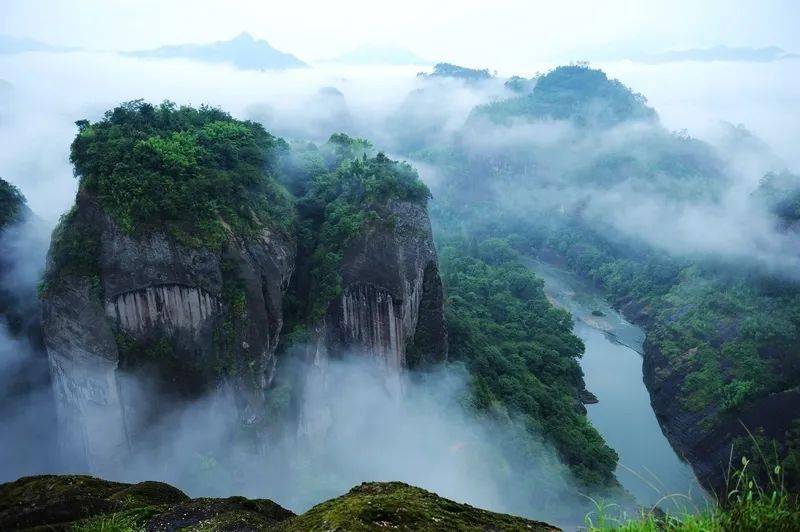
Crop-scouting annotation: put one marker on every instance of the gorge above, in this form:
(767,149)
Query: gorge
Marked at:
(244,312)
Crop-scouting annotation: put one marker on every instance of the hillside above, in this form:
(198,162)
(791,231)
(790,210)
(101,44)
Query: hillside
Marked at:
(722,336)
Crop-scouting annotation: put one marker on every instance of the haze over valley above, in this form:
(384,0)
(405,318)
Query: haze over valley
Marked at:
(246,253)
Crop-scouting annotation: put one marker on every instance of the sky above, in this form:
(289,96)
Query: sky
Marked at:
(509,36)
(503,34)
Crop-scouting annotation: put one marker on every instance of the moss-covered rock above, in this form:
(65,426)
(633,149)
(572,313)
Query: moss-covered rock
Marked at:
(83,503)
(55,501)
(233,513)
(398,506)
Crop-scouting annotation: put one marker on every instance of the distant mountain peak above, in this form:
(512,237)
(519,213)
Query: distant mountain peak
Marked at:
(449,70)
(244,36)
(243,51)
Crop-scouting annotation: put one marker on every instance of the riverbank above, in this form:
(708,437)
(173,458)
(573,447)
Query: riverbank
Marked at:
(612,364)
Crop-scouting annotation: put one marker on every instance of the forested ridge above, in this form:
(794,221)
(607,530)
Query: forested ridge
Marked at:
(731,330)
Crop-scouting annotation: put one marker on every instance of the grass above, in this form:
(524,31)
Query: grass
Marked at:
(755,499)
(118,522)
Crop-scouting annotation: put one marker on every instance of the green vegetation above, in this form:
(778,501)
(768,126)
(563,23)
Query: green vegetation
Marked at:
(198,172)
(398,506)
(74,252)
(725,326)
(748,506)
(730,334)
(87,504)
(344,193)
(578,93)
(780,192)
(520,352)
(12,210)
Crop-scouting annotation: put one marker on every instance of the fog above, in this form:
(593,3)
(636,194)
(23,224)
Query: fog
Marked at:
(361,430)
(428,438)
(27,443)
(714,218)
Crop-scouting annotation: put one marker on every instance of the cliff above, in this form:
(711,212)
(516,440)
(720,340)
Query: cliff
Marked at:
(185,320)
(174,273)
(392,297)
(711,439)
(81,502)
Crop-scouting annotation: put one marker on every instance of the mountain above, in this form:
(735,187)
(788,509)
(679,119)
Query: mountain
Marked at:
(576,93)
(78,502)
(193,280)
(17,45)
(243,51)
(374,54)
(722,375)
(449,70)
(721,53)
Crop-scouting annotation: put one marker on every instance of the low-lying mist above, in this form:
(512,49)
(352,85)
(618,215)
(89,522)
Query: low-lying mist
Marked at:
(28,442)
(354,427)
(606,177)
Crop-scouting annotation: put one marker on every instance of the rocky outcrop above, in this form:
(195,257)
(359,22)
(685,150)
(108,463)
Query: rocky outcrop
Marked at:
(64,502)
(390,310)
(190,319)
(150,322)
(712,440)
(392,298)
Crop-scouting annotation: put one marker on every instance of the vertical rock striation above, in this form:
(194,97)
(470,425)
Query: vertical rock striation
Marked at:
(390,310)
(391,293)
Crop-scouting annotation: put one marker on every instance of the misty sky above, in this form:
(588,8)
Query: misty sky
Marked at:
(51,91)
(498,34)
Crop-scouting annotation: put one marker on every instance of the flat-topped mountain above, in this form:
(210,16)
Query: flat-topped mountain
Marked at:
(243,51)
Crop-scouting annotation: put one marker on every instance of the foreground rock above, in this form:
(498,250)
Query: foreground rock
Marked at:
(75,502)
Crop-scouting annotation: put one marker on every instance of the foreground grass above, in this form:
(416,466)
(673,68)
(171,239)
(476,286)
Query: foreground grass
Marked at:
(747,507)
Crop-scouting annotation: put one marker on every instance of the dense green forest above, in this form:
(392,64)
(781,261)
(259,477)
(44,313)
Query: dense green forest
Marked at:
(733,329)
(341,188)
(11,203)
(195,170)
(520,352)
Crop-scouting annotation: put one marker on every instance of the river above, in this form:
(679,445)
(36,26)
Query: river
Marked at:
(612,365)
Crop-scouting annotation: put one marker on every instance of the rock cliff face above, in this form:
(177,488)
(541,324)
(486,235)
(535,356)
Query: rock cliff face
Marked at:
(189,319)
(158,322)
(392,298)
(390,310)
(707,444)
(26,401)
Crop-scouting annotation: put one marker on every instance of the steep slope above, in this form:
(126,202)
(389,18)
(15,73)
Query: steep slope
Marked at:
(170,268)
(368,277)
(26,401)
(367,282)
(173,274)
(13,211)
(81,502)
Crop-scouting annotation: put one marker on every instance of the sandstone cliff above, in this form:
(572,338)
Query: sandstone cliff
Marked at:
(186,320)
(171,276)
